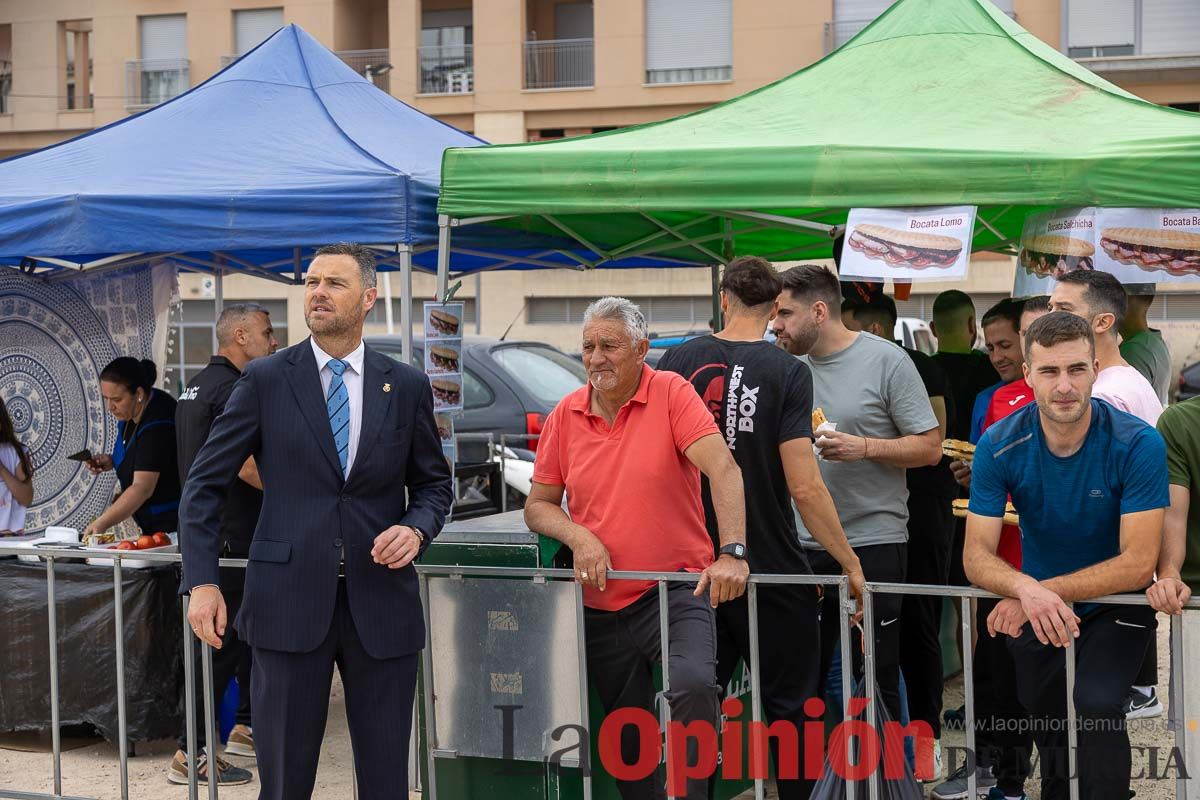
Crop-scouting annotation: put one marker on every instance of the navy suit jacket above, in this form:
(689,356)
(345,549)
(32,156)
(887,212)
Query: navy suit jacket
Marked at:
(310,513)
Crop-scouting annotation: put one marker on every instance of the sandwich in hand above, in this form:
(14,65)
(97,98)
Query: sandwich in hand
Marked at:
(958,450)
(447,393)
(818,418)
(1176,252)
(959,509)
(1055,255)
(905,248)
(444,322)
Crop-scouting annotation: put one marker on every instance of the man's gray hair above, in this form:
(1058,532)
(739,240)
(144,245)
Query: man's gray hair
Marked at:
(232,317)
(620,310)
(362,256)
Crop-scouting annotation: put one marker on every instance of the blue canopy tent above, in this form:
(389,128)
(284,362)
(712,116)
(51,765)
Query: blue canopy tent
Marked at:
(283,151)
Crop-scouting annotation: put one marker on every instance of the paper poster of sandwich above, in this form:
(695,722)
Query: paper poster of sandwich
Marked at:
(447,392)
(1149,245)
(442,357)
(908,243)
(1052,244)
(443,320)
(445,427)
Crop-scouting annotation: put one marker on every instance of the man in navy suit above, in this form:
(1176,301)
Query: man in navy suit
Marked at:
(339,432)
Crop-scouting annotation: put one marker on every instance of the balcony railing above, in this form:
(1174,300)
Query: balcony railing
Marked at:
(840,31)
(358,60)
(447,69)
(560,64)
(5,85)
(149,82)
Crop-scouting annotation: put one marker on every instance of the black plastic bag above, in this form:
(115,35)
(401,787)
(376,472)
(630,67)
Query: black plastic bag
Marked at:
(890,767)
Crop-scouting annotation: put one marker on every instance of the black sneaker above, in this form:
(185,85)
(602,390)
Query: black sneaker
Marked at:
(227,774)
(1139,706)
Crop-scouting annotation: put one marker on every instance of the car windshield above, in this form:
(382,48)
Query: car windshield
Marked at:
(545,373)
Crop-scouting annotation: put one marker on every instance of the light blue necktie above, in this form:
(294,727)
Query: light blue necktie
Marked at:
(337,404)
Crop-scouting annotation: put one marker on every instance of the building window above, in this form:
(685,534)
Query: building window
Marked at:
(1100,28)
(678,312)
(252,26)
(163,71)
(446,53)
(75,64)
(688,41)
(378,313)
(5,67)
(193,337)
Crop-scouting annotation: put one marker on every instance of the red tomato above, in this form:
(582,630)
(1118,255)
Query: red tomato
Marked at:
(126,546)
(145,542)
(161,539)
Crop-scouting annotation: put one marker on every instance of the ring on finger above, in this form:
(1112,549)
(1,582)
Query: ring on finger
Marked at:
(583,575)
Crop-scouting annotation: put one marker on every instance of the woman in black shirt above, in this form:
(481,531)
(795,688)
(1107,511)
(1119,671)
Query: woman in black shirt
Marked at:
(144,454)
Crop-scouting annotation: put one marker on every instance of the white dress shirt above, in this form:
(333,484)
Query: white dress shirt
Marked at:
(353,378)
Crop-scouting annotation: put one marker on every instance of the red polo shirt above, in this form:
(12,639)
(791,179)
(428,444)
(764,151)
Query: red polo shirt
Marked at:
(1005,400)
(630,484)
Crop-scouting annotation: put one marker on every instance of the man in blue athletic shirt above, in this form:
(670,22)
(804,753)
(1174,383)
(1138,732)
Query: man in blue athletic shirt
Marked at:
(1089,483)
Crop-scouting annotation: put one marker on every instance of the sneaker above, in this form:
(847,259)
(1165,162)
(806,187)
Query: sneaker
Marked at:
(241,742)
(1139,706)
(955,787)
(998,794)
(227,774)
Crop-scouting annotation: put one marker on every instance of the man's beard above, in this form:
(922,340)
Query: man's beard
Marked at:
(803,342)
(1061,416)
(333,326)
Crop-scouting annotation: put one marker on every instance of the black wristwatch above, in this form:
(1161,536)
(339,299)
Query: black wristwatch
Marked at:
(735,549)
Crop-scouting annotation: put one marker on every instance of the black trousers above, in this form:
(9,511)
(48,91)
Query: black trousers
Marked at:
(291,704)
(1148,674)
(788,629)
(880,563)
(930,537)
(1109,651)
(622,649)
(1003,740)
(226,664)
(244,714)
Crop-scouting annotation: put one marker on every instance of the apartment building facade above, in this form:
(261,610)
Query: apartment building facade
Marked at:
(517,70)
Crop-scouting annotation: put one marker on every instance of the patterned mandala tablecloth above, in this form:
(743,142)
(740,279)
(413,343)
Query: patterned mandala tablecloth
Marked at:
(54,340)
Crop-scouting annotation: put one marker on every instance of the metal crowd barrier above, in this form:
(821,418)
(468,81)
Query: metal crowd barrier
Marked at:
(663,579)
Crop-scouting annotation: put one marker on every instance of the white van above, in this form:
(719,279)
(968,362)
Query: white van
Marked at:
(915,334)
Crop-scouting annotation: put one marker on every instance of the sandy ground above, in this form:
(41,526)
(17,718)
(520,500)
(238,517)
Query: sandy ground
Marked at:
(93,771)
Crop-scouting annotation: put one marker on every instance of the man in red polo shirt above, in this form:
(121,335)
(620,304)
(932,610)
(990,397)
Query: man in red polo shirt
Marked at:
(1003,741)
(628,450)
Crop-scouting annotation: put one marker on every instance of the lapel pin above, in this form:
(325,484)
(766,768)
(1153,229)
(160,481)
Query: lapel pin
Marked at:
(387,387)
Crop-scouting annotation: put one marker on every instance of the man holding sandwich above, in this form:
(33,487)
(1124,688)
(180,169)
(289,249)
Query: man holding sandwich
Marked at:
(1090,485)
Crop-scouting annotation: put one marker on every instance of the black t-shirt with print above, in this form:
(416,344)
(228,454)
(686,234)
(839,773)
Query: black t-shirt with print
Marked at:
(150,447)
(760,398)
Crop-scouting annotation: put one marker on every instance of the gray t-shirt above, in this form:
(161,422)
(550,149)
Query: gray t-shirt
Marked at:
(872,389)
(1147,353)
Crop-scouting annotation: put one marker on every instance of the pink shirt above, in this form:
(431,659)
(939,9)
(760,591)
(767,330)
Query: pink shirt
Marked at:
(631,485)
(1127,389)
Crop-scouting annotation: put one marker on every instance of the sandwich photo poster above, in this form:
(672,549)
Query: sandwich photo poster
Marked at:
(1149,245)
(1054,243)
(932,243)
(443,354)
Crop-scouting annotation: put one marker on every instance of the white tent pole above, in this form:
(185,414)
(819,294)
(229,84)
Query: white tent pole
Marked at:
(387,302)
(219,278)
(443,257)
(406,320)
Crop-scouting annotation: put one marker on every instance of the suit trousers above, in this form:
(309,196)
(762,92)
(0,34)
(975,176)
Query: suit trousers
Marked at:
(291,704)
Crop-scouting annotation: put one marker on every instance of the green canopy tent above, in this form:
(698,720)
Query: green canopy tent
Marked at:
(937,102)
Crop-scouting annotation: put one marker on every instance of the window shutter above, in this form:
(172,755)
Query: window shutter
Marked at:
(164,37)
(688,34)
(252,26)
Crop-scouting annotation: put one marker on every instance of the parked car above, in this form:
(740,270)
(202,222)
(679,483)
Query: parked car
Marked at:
(915,335)
(508,387)
(1189,381)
